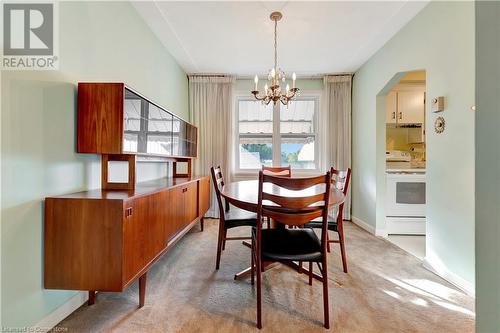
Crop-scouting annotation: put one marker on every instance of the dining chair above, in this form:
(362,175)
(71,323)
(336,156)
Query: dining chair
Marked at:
(340,180)
(278,171)
(289,245)
(229,217)
(285,171)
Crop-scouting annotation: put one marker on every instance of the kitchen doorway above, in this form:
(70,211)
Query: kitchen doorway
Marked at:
(405,162)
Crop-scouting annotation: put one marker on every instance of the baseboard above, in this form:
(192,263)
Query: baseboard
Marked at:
(437,267)
(54,318)
(379,232)
(362,224)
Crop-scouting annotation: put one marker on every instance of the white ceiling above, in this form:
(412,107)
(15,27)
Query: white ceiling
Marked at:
(237,37)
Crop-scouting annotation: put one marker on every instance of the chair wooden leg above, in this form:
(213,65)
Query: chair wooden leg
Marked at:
(91,300)
(258,265)
(202,222)
(310,273)
(224,240)
(342,251)
(142,289)
(252,267)
(327,242)
(326,309)
(219,246)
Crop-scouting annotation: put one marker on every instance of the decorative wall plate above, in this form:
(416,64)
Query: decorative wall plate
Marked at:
(439,125)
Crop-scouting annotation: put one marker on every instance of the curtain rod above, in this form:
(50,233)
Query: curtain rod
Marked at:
(248,77)
(306,77)
(209,74)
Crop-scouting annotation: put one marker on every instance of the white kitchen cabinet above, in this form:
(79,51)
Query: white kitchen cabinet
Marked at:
(391,108)
(410,107)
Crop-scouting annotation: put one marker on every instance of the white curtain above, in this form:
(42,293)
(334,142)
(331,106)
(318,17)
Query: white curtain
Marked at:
(210,105)
(338,89)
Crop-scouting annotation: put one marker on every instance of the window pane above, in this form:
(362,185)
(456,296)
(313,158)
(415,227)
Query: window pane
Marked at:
(159,144)
(254,117)
(132,119)
(298,152)
(297,117)
(159,120)
(253,155)
(130,142)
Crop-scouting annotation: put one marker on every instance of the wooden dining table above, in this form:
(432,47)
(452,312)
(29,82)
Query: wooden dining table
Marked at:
(244,195)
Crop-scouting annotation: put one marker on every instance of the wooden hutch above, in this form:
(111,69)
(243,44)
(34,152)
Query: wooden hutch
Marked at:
(105,239)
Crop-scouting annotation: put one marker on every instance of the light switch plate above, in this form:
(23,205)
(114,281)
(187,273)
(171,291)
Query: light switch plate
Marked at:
(438,104)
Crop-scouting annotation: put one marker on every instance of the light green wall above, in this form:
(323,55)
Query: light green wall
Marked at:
(439,40)
(487,167)
(99,41)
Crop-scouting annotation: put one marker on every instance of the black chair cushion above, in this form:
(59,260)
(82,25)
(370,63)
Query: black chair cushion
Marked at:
(289,245)
(236,217)
(318,223)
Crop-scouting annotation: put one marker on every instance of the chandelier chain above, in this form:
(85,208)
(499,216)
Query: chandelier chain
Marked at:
(276,45)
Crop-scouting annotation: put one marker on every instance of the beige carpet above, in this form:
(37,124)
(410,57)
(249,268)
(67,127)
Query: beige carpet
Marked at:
(386,290)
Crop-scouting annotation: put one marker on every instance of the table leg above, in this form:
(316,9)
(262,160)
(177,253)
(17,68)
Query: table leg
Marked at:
(247,271)
(302,270)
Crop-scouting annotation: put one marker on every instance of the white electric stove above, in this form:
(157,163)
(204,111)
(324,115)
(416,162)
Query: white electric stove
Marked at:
(405,195)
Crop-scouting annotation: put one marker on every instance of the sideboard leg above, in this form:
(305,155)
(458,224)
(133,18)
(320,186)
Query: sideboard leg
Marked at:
(202,222)
(91,300)
(142,289)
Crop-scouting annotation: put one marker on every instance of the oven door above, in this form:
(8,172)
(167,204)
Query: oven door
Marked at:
(405,195)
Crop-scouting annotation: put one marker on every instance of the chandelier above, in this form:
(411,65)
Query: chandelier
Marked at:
(276,75)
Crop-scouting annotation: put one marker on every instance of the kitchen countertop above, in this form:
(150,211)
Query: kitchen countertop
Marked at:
(407,170)
(405,167)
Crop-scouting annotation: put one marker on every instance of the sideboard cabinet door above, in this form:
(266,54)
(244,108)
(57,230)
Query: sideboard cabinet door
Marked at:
(204,197)
(143,232)
(190,203)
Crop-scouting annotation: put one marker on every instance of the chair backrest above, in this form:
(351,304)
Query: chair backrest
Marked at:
(218,181)
(278,171)
(307,199)
(340,179)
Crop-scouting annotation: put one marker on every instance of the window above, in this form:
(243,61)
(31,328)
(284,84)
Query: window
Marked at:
(277,134)
(255,126)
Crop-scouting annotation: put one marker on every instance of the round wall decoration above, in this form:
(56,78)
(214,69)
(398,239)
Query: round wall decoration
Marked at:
(439,125)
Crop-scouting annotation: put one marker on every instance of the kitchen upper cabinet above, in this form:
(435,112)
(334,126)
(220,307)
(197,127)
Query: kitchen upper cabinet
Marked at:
(391,108)
(406,105)
(410,107)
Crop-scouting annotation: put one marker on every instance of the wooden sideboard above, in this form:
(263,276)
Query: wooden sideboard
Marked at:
(104,240)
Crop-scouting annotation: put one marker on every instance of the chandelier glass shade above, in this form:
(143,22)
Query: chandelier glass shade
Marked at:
(273,91)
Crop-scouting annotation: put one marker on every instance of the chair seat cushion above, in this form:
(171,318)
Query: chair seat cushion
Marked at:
(236,217)
(318,223)
(290,245)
